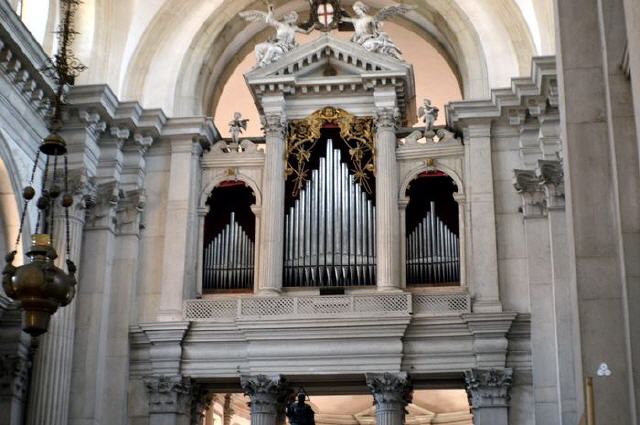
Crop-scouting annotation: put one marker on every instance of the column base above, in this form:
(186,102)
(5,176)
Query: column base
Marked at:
(269,292)
(390,289)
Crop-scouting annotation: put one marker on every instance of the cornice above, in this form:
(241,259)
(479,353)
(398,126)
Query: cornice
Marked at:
(541,83)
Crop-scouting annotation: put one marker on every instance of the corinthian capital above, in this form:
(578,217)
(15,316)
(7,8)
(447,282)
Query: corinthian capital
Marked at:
(528,186)
(488,388)
(169,394)
(274,125)
(390,390)
(551,175)
(387,118)
(266,392)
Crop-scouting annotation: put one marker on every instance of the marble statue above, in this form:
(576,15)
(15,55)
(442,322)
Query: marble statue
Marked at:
(428,114)
(368,29)
(285,38)
(236,126)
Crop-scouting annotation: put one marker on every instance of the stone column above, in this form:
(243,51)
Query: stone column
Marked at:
(227,410)
(387,214)
(602,192)
(461,200)
(551,178)
(170,400)
(50,389)
(391,394)
(184,149)
(267,394)
(272,228)
(484,249)
(15,361)
(488,391)
(402,208)
(543,342)
(200,404)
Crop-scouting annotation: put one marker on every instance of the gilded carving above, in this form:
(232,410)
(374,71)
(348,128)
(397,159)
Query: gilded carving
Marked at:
(356,132)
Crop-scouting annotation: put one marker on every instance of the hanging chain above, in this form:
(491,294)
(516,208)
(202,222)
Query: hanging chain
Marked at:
(25,204)
(66,209)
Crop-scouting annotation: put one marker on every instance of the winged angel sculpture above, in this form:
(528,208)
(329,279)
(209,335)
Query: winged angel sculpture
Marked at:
(285,38)
(368,29)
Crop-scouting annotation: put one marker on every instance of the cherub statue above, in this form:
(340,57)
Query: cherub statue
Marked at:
(236,126)
(429,114)
(285,38)
(368,29)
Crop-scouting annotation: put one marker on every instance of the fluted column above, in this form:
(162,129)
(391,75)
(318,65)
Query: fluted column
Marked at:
(488,391)
(272,228)
(387,214)
(391,394)
(267,394)
(50,387)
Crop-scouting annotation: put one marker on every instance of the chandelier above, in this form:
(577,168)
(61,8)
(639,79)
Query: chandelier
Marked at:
(39,286)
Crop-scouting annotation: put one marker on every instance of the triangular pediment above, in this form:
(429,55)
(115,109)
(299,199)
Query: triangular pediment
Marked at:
(326,53)
(333,70)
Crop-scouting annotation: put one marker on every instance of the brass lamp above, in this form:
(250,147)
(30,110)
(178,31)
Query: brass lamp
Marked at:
(39,286)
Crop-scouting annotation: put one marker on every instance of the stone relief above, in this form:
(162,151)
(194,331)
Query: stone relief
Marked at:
(285,38)
(368,29)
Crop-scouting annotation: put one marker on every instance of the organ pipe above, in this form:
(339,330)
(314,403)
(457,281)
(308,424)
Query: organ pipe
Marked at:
(229,259)
(433,251)
(330,229)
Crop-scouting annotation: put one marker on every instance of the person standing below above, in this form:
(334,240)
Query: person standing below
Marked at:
(300,413)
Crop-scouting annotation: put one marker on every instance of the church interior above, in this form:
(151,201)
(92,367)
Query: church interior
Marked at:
(376,212)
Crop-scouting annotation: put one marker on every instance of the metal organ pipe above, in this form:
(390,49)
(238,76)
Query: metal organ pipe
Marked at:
(433,254)
(337,231)
(229,259)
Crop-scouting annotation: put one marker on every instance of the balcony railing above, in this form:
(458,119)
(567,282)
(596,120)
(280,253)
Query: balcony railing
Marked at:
(230,309)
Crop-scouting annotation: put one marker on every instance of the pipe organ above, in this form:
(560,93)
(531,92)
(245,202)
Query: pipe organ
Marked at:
(433,252)
(229,259)
(330,229)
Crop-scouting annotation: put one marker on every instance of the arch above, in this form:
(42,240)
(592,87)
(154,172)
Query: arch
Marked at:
(215,182)
(10,201)
(411,176)
(488,45)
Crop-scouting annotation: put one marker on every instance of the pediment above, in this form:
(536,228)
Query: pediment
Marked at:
(312,60)
(331,69)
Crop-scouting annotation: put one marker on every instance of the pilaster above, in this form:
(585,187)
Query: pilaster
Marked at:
(551,175)
(187,139)
(543,332)
(392,392)
(488,391)
(484,251)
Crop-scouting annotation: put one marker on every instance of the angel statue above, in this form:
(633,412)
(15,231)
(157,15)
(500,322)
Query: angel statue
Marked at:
(368,29)
(236,126)
(285,38)
(429,114)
